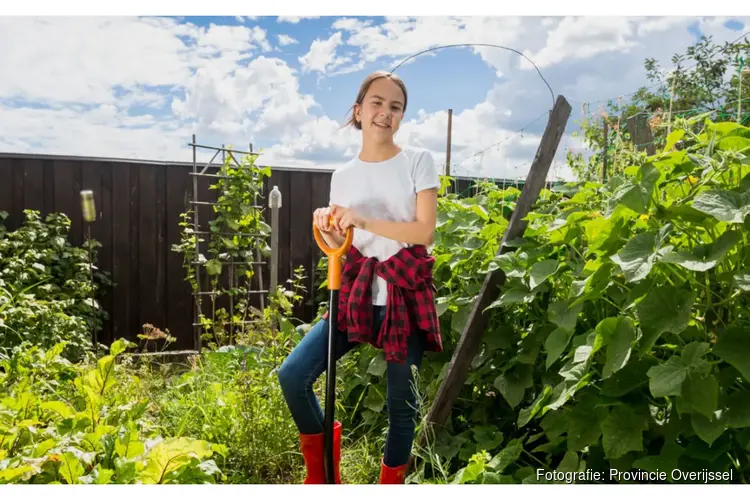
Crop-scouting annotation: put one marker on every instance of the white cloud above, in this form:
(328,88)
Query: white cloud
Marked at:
(139,87)
(322,55)
(293,19)
(285,40)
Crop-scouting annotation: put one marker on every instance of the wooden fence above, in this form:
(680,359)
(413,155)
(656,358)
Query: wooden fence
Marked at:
(138,214)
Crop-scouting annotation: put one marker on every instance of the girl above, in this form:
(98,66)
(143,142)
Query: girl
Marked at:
(388,195)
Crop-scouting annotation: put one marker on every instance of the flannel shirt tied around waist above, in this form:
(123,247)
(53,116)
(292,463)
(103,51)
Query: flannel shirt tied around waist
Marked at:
(410,307)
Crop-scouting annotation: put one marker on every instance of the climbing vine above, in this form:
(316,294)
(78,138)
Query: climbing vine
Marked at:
(229,250)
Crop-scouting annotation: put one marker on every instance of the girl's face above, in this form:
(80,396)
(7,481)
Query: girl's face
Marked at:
(381,111)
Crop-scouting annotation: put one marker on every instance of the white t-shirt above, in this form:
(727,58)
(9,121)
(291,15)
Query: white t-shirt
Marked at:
(384,190)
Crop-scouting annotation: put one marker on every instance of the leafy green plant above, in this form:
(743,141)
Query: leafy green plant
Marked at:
(46,288)
(619,339)
(237,238)
(65,423)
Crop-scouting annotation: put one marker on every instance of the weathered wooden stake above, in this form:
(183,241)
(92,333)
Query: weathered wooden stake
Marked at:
(468,345)
(640,134)
(605,151)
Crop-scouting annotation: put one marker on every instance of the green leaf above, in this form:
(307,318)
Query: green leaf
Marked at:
(378,364)
(638,256)
(733,347)
(513,383)
(487,437)
(70,468)
(724,205)
(700,394)
(374,400)
(707,429)
(556,343)
(618,335)
(584,425)
(213,267)
(507,456)
(622,432)
(168,456)
(673,138)
(664,461)
(742,280)
(666,379)
(705,257)
(541,271)
(564,315)
(665,308)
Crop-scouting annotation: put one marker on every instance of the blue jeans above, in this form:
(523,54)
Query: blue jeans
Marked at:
(308,361)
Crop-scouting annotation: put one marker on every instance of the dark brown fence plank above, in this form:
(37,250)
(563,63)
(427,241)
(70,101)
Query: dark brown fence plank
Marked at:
(104,227)
(122,308)
(6,190)
(179,301)
(147,256)
(300,251)
(133,324)
(32,185)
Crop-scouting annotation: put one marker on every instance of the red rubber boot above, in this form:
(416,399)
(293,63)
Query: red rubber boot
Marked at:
(392,475)
(313,450)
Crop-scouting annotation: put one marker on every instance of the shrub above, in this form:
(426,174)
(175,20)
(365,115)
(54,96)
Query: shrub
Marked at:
(46,287)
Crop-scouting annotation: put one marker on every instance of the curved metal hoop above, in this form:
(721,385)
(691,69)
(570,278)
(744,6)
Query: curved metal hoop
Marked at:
(480,45)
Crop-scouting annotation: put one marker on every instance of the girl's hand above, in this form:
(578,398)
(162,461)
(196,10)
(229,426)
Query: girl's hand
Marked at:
(322,218)
(344,218)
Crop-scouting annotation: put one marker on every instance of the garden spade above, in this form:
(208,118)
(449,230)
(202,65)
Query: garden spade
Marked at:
(334,285)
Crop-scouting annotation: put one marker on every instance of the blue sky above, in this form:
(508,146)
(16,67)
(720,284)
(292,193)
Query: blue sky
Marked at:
(139,87)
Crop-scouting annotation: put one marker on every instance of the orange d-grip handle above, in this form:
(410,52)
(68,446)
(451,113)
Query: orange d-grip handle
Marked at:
(334,255)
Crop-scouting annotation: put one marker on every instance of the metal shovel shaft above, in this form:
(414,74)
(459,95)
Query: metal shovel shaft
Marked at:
(334,283)
(330,400)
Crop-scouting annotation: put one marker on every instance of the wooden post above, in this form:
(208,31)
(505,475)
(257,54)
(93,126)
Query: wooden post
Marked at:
(468,345)
(605,151)
(448,146)
(640,134)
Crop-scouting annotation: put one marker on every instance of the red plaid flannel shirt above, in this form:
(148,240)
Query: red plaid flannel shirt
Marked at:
(410,307)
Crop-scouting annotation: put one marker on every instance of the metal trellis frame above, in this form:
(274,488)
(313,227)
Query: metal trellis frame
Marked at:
(202,170)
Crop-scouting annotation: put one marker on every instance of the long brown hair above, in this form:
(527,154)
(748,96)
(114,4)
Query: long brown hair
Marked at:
(366,86)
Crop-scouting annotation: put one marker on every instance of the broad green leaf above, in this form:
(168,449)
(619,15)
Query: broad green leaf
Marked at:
(526,414)
(622,432)
(556,343)
(665,308)
(541,271)
(58,407)
(564,315)
(632,376)
(700,394)
(378,365)
(16,474)
(734,143)
(119,346)
(673,138)
(169,456)
(507,455)
(618,335)
(640,254)
(666,379)
(584,423)
(70,468)
(667,460)
(733,347)
(487,437)
(738,410)
(705,257)
(213,267)
(742,280)
(708,430)
(374,400)
(724,205)
(513,383)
